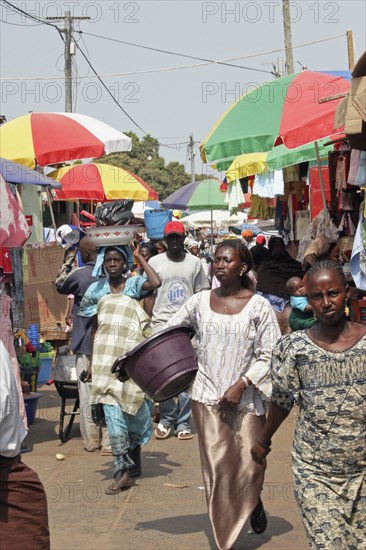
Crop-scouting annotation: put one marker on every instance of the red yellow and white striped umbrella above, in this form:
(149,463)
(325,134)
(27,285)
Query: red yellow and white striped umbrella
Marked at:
(100,182)
(51,138)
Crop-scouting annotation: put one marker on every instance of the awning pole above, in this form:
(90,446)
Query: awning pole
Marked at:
(320,175)
(49,200)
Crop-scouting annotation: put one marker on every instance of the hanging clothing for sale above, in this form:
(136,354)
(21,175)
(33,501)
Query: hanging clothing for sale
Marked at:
(341,173)
(345,201)
(260,209)
(358,257)
(5,260)
(353,166)
(269,184)
(291,173)
(234,195)
(361,171)
(346,227)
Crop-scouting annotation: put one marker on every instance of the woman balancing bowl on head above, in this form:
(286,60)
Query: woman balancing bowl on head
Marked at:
(236,331)
(324,370)
(120,324)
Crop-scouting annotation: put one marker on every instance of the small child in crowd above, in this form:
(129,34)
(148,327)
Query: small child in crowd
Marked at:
(301,316)
(298,299)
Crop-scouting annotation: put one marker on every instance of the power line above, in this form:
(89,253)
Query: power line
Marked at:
(108,90)
(112,96)
(19,24)
(166,69)
(29,15)
(173,53)
(26,14)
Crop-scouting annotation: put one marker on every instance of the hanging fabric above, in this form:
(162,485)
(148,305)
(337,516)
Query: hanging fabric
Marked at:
(341,173)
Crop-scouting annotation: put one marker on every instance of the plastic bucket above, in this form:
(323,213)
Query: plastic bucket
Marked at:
(164,365)
(155,221)
(31,403)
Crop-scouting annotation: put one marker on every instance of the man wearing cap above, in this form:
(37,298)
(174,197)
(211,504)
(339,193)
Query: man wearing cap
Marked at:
(182,275)
(248,238)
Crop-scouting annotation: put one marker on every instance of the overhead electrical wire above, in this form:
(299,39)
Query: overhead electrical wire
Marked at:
(19,24)
(174,53)
(166,69)
(112,96)
(29,15)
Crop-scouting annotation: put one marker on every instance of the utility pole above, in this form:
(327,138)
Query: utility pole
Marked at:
(68,64)
(191,157)
(69,52)
(288,38)
(351,51)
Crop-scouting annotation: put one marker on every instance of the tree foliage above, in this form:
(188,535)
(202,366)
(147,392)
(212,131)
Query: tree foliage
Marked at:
(144,161)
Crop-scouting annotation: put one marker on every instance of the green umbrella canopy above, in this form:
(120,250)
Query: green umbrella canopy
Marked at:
(286,110)
(200,195)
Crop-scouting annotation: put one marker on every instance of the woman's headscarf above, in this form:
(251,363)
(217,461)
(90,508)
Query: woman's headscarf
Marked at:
(191,244)
(124,250)
(277,269)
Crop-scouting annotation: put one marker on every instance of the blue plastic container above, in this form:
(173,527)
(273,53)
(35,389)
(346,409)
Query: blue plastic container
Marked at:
(45,372)
(31,403)
(33,334)
(155,221)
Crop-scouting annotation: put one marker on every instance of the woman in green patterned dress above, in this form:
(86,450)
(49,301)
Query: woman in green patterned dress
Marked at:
(323,369)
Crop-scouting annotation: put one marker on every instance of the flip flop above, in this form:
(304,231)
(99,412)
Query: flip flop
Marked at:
(161,432)
(117,486)
(184,434)
(258,519)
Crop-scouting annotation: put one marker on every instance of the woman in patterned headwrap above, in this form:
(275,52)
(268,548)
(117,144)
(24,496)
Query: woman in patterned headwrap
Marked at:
(120,324)
(323,369)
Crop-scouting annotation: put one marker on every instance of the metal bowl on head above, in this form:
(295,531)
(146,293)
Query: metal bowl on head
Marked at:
(113,235)
(163,366)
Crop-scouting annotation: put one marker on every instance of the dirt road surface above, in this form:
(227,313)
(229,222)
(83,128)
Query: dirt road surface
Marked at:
(166,509)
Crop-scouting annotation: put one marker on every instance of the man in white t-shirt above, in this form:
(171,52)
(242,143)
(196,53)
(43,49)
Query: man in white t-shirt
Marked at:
(182,275)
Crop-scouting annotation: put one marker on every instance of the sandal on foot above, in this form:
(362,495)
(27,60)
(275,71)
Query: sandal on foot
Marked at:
(161,432)
(184,434)
(258,519)
(119,485)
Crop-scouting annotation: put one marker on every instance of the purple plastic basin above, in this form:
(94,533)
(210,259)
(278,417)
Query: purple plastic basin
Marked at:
(163,366)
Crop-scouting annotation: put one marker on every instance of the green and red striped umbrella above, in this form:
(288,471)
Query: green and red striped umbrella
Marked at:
(285,111)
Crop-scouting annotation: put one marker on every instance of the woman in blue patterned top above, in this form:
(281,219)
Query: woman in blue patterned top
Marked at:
(120,324)
(323,369)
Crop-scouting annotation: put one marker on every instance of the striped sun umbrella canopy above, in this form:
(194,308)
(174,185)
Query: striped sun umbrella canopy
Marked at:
(50,138)
(284,111)
(100,182)
(200,195)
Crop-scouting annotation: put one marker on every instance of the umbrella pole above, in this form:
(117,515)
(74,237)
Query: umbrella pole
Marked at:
(211,234)
(78,211)
(320,175)
(49,200)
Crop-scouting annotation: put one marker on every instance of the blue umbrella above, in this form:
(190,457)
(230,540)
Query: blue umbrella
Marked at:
(13,172)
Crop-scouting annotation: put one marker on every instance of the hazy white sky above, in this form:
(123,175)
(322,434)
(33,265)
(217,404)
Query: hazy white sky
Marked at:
(168,104)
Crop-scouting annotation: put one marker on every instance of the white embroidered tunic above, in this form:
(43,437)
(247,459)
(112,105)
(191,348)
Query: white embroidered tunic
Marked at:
(232,346)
